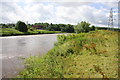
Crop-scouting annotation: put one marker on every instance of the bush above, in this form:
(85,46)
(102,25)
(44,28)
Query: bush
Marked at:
(82,27)
(92,28)
(21,26)
(69,28)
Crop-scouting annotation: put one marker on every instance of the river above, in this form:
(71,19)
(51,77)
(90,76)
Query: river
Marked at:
(15,47)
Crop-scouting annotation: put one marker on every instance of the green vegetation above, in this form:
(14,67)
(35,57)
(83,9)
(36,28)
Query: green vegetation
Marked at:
(82,27)
(46,28)
(92,28)
(12,31)
(21,26)
(55,27)
(84,55)
(9,32)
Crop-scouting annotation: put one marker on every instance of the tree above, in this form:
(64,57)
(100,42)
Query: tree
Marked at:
(82,27)
(92,28)
(68,28)
(21,26)
(4,26)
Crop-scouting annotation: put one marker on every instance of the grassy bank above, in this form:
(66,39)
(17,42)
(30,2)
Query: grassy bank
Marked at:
(84,55)
(13,32)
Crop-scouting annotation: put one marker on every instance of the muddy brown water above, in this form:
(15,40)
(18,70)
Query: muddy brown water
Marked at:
(14,47)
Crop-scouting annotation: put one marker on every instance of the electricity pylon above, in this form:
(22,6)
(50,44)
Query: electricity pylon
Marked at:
(110,21)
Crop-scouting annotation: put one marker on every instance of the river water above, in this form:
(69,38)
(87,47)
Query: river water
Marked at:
(14,47)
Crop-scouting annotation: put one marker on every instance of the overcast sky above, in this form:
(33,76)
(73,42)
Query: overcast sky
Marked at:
(58,11)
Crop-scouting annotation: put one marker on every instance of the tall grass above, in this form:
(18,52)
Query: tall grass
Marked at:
(86,55)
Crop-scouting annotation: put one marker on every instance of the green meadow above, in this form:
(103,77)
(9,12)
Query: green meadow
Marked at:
(14,32)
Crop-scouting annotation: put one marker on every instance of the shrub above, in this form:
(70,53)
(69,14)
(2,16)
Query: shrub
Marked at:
(21,26)
(92,28)
(82,27)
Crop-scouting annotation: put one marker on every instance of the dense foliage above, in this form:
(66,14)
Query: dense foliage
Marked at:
(84,55)
(7,25)
(92,28)
(21,26)
(54,27)
(44,28)
(82,27)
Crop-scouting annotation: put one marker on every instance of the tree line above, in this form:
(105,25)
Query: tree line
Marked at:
(83,26)
(80,27)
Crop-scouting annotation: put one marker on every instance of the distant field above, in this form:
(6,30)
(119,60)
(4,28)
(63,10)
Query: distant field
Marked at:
(84,55)
(13,32)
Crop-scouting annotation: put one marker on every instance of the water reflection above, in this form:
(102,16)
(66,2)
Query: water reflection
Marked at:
(21,42)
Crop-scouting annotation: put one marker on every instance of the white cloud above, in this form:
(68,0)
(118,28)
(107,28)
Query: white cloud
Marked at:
(30,1)
(32,13)
(59,12)
(8,12)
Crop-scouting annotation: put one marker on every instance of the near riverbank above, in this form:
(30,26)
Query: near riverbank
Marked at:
(84,55)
